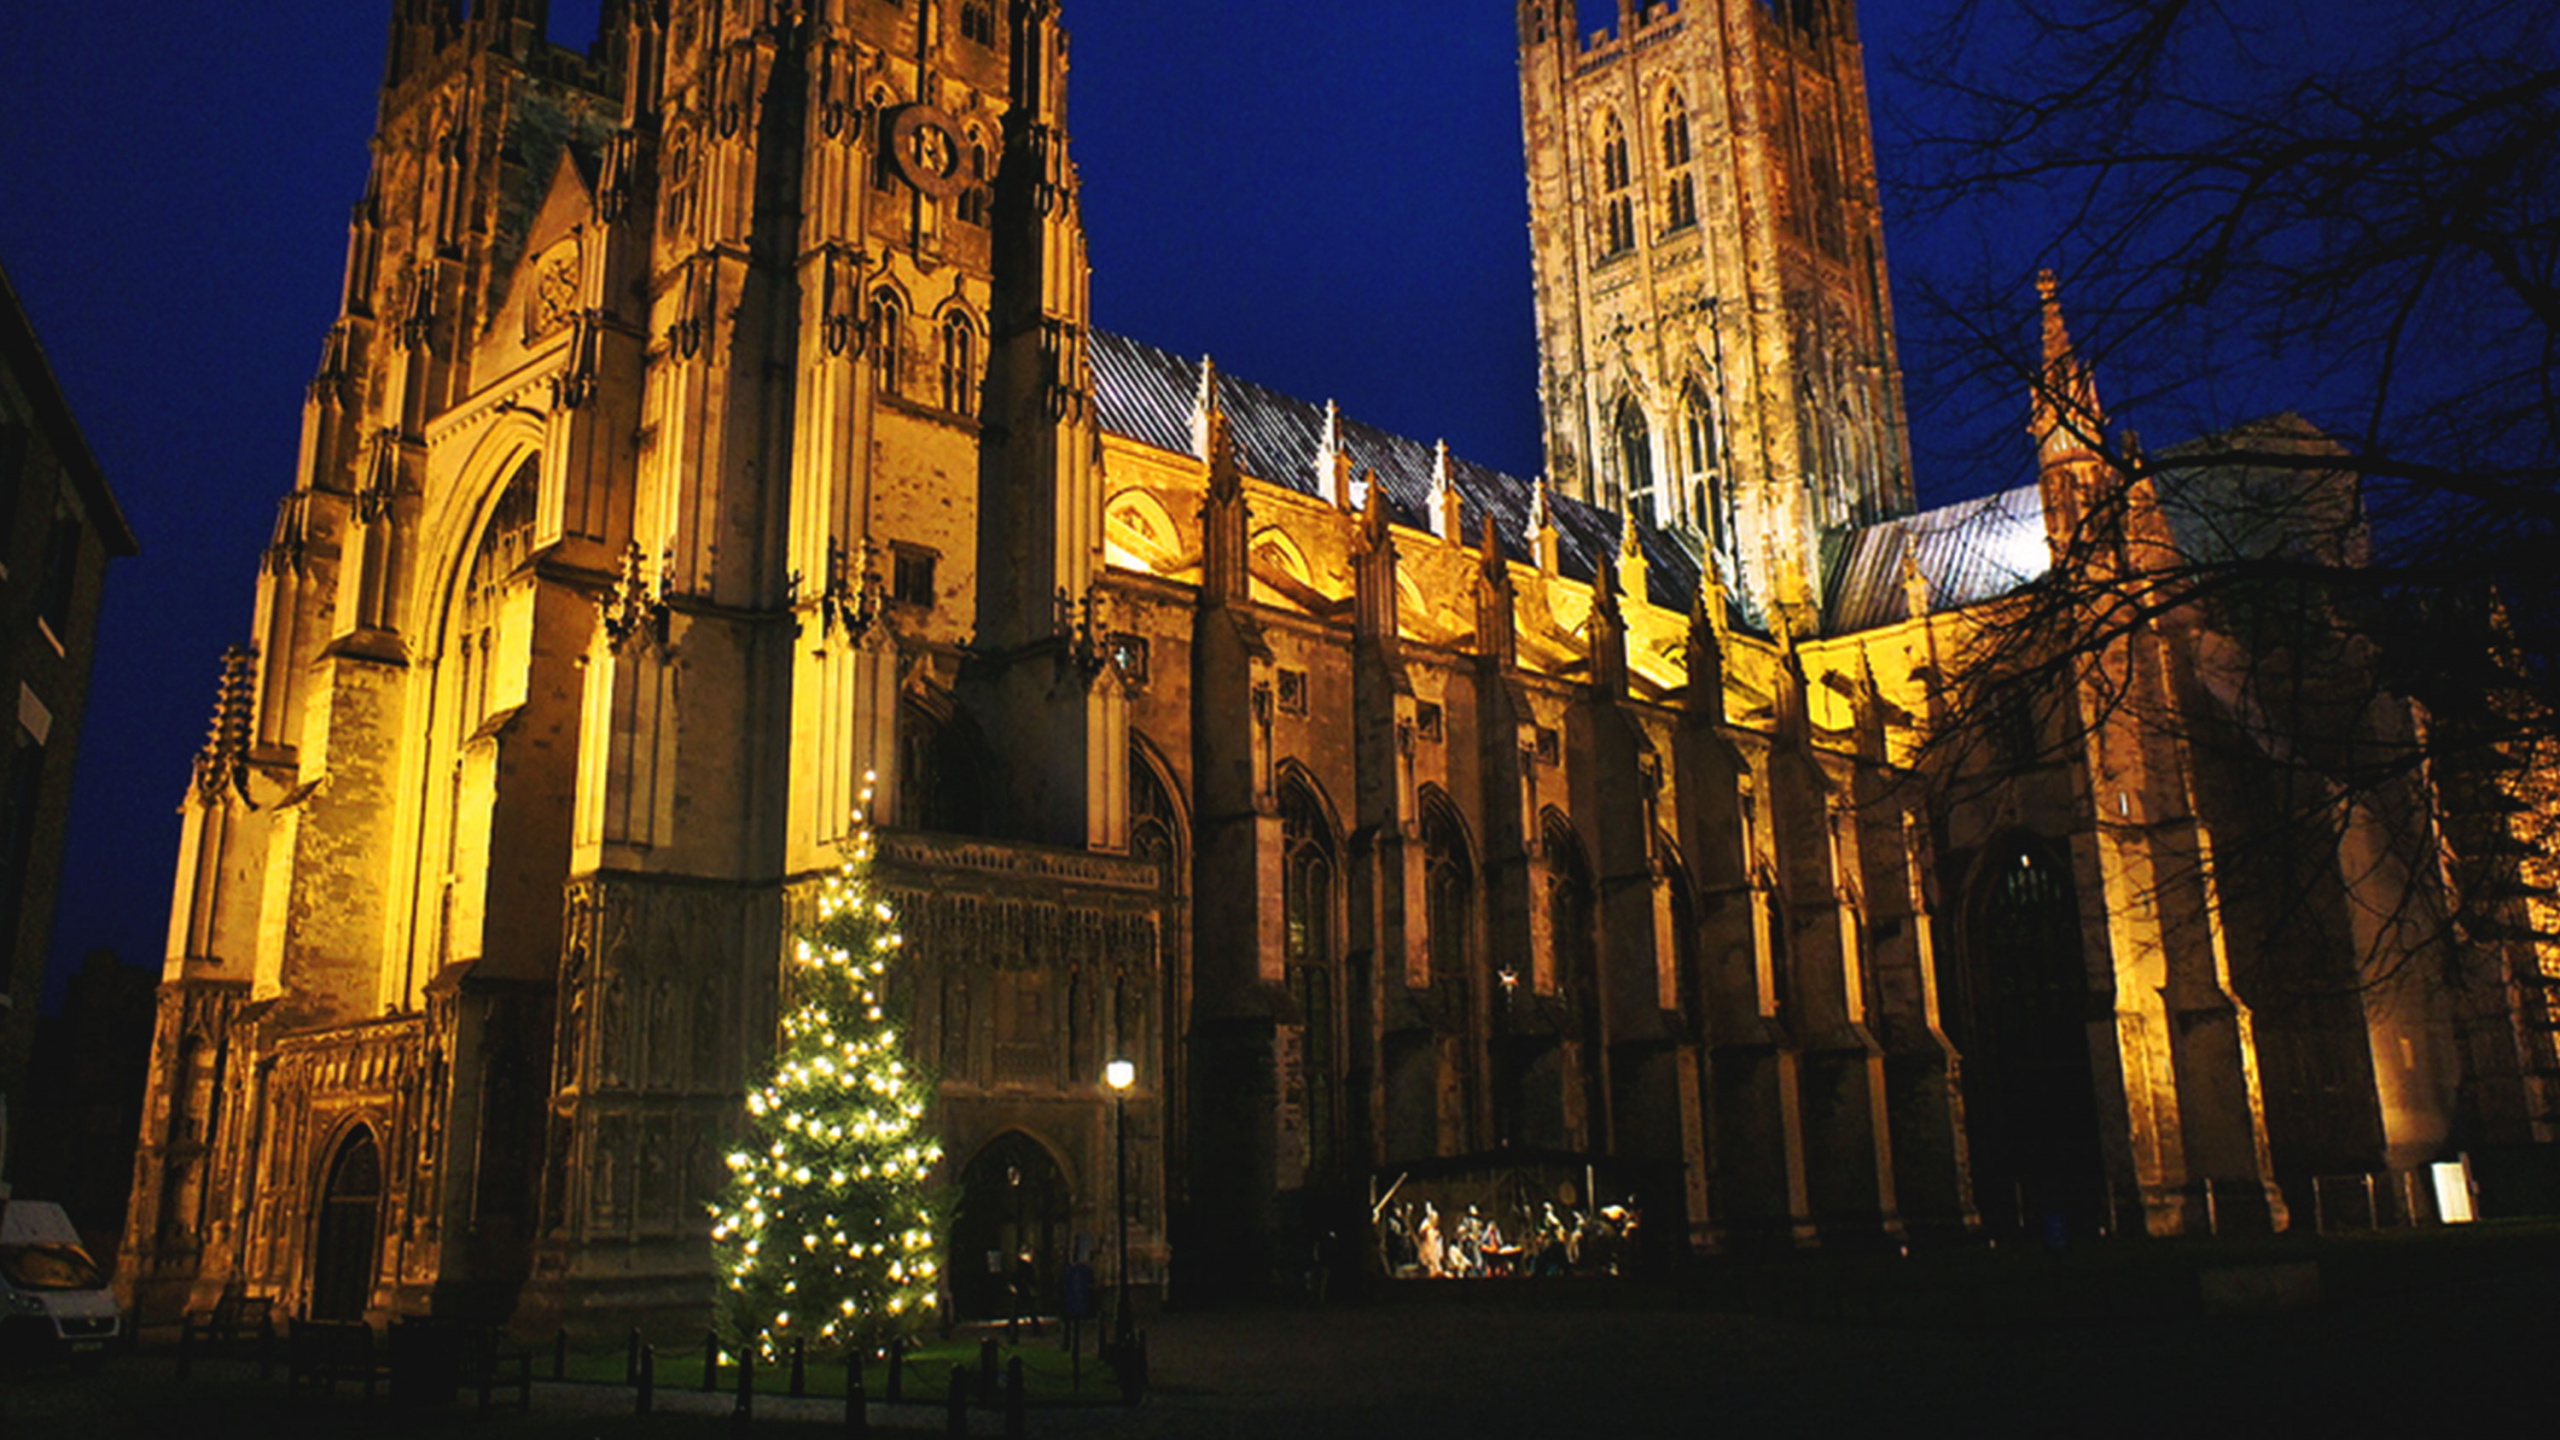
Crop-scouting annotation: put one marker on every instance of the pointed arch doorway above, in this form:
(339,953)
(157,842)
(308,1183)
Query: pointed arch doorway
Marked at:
(343,1253)
(1009,1239)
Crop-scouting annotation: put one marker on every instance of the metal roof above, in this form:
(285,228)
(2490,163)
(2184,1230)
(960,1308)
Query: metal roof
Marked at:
(1149,396)
(1970,552)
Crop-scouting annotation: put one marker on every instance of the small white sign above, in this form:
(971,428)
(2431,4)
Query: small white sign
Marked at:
(2453,1191)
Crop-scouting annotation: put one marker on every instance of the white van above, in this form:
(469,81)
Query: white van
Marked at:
(53,1298)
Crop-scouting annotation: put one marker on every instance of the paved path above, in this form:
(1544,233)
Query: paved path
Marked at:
(1594,1363)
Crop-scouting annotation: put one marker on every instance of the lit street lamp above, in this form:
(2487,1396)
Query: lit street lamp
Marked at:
(1120,1075)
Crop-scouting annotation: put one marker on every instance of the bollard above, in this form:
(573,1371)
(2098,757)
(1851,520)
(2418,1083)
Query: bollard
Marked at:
(897,1371)
(987,1365)
(1013,1416)
(745,1409)
(1133,1368)
(266,1348)
(631,1359)
(799,1368)
(560,1354)
(186,1347)
(857,1403)
(644,1380)
(710,1361)
(957,1418)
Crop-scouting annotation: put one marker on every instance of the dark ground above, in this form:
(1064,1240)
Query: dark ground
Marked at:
(2418,1334)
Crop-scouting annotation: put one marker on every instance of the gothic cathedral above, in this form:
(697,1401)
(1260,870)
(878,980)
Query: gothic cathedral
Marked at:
(714,420)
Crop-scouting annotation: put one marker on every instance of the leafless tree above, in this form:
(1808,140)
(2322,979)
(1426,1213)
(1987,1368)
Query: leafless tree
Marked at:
(2345,215)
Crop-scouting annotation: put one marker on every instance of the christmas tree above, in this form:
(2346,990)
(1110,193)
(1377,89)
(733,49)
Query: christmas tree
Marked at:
(827,1232)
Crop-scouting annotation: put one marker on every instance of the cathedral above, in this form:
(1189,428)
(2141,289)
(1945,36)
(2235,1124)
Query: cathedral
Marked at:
(714,429)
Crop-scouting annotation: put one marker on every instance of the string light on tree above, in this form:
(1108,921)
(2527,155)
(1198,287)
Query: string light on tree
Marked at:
(827,1231)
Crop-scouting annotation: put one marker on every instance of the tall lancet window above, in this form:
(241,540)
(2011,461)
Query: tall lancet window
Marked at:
(888,344)
(1617,193)
(1635,460)
(1680,190)
(1708,492)
(959,364)
(504,545)
(1307,906)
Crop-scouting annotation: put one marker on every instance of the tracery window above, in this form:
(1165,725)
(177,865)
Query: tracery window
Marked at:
(504,545)
(1635,460)
(1617,181)
(1572,909)
(977,202)
(888,344)
(1307,905)
(978,22)
(1680,198)
(1709,493)
(1449,889)
(959,365)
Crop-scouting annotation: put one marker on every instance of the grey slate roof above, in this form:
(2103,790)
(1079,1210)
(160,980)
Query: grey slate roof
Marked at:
(1969,553)
(1147,395)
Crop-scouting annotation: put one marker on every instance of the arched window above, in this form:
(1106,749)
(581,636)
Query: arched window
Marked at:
(1307,906)
(959,365)
(1572,903)
(977,203)
(1617,181)
(1708,493)
(2024,1022)
(1449,890)
(504,546)
(978,22)
(1680,196)
(1635,460)
(888,343)
(1155,828)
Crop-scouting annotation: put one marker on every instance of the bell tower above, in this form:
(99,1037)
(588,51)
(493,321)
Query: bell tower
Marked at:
(1715,328)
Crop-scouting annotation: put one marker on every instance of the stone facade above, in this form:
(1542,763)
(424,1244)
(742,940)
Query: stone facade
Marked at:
(716,420)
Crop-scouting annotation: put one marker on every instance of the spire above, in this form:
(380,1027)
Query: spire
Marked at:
(1208,412)
(1916,599)
(1225,520)
(1708,629)
(1608,630)
(1447,506)
(1497,625)
(1333,462)
(1374,569)
(1633,568)
(1541,532)
(2068,419)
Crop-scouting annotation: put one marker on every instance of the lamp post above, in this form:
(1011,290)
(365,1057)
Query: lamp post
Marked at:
(1120,1075)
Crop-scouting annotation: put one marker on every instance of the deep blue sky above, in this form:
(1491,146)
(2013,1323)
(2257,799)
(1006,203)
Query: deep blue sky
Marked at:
(1325,194)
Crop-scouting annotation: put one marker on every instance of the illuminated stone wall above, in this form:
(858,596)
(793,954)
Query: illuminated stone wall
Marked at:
(713,431)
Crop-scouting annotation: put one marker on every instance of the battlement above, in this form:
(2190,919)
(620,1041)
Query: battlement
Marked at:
(576,47)
(1602,30)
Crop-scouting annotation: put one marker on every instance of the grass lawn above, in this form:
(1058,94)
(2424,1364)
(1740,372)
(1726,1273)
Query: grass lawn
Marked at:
(1050,1376)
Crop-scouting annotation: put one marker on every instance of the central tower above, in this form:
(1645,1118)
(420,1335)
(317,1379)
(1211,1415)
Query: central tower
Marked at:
(1714,325)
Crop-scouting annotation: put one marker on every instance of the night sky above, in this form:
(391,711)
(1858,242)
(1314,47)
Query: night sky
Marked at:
(1324,194)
